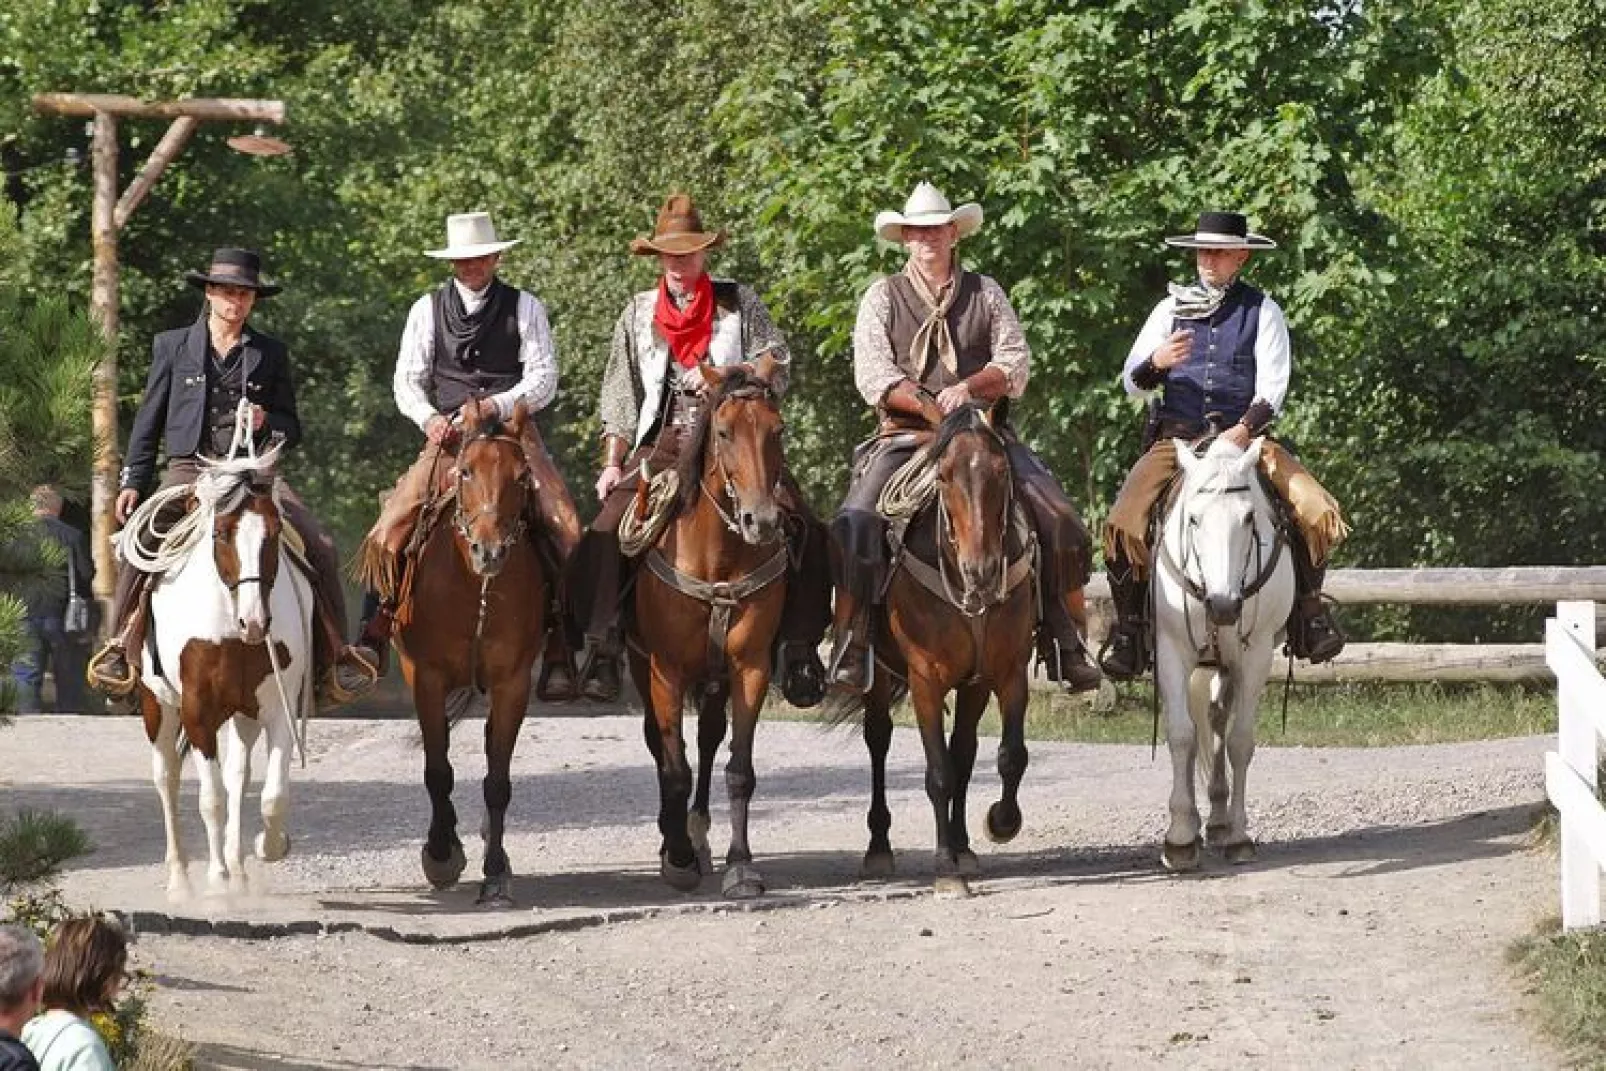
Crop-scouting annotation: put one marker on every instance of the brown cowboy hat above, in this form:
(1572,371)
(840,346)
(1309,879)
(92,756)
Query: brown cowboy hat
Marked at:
(234,267)
(678,231)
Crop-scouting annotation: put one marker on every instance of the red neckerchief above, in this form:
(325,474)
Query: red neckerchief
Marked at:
(688,330)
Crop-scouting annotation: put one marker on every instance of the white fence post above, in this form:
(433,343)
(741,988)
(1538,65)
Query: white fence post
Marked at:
(1570,772)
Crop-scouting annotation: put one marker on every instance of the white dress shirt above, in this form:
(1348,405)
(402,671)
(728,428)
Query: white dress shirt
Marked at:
(1273,355)
(537,356)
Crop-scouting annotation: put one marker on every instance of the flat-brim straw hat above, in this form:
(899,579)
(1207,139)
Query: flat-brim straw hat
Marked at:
(677,231)
(470,235)
(1221,230)
(234,267)
(927,207)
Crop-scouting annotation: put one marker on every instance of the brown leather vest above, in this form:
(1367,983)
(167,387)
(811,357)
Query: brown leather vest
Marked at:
(968,319)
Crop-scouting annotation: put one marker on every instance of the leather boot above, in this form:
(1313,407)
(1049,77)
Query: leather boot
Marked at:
(599,671)
(1313,632)
(556,682)
(1125,654)
(114,669)
(852,664)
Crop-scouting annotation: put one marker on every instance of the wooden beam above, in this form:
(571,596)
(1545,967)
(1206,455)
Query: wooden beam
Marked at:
(170,146)
(88,104)
(103,310)
(1511,586)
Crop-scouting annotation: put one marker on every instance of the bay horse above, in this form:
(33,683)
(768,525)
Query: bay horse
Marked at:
(707,610)
(1222,592)
(474,619)
(959,615)
(230,657)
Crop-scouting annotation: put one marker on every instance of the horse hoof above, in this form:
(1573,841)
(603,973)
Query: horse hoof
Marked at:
(272,849)
(1180,858)
(968,865)
(878,866)
(1001,826)
(680,878)
(443,873)
(495,892)
(697,829)
(742,882)
(951,887)
(1216,834)
(1240,853)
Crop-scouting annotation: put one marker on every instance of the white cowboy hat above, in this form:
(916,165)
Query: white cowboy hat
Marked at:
(468,235)
(1221,230)
(927,207)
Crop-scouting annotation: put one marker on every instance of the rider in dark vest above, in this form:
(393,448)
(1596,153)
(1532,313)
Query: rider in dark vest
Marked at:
(652,393)
(474,341)
(1218,354)
(928,340)
(198,376)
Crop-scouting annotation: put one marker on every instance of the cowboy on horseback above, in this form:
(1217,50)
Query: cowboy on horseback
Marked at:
(198,377)
(475,343)
(1217,353)
(653,391)
(928,340)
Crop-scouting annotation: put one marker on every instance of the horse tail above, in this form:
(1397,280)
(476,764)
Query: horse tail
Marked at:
(1209,702)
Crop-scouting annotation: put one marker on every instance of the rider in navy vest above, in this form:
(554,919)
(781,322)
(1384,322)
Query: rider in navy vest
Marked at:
(1218,355)
(198,376)
(474,341)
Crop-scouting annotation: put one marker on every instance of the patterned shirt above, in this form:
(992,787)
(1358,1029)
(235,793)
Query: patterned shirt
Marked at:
(416,361)
(877,369)
(622,392)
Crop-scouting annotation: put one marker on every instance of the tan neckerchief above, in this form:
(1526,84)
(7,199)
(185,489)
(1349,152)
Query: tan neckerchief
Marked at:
(935,329)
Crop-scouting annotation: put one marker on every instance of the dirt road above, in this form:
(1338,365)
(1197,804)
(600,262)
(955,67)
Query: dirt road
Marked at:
(1370,934)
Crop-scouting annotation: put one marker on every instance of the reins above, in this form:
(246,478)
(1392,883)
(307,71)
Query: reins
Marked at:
(460,524)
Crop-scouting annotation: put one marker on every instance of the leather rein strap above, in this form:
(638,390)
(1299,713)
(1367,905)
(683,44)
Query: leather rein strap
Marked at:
(722,596)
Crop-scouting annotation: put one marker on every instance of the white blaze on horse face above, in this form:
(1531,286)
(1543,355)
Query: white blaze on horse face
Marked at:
(1220,519)
(250,602)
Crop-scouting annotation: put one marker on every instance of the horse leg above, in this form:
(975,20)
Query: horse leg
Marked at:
(210,775)
(1218,827)
(273,843)
(968,707)
(711,725)
(442,855)
(927,697)
(165,769)
(1181,848)
(1004,817)
(239,736)
(677,860)
(742,878)
(508,702)
(1239,845)
(878,858)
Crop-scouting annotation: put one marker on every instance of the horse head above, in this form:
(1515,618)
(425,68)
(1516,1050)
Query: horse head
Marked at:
(493,487)
(1218,506)
(741,447)
(246,529)
(974,495)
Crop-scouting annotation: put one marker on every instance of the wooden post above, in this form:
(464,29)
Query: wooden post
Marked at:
(103,310)
(1570,771)
(108,216)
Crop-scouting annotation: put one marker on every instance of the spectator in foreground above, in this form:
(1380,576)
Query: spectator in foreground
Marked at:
(22,964)
(84,971)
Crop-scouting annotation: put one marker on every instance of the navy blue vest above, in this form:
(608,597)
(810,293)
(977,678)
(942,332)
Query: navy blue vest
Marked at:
(1218,375)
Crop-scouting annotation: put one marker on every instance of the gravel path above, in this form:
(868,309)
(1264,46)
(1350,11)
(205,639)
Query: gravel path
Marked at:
(1370,934)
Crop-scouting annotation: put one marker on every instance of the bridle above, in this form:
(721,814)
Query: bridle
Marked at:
(269,544)
(462,520)
(969,601)
(1257,567)
(727,486)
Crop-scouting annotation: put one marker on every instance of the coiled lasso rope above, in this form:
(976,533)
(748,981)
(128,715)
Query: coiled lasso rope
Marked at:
(637,534)
(910,488)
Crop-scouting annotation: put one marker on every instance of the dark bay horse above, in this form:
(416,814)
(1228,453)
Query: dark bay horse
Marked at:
(959,615)
(475,620)
(707,610)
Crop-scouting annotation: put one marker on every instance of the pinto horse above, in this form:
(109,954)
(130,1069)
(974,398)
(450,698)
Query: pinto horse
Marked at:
(230,657)
(482,582)
(960,611)
(707,610)
(1222,592)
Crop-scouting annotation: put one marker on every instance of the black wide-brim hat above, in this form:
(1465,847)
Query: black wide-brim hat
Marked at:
(1221,230)
(234,267)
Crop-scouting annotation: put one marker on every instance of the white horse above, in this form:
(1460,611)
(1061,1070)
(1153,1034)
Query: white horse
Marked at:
(1223,587)
(230,659)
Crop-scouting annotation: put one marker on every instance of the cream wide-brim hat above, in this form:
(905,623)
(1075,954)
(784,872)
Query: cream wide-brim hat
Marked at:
(469,235)
(927,207)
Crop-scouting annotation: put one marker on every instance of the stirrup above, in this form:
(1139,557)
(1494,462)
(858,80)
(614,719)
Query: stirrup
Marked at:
(115,687)
(1136,641)
(338,693)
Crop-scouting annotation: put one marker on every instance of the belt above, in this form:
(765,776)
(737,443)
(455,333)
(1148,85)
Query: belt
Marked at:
(685,406)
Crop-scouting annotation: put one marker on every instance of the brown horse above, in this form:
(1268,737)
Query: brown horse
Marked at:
(481,580)
(707,609)
(959,616)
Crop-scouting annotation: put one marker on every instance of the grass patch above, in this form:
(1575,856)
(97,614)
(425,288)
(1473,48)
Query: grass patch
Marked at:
(1566,976)
(1360,715)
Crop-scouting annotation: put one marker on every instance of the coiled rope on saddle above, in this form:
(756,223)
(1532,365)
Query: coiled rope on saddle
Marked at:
(649,514)
(911,488)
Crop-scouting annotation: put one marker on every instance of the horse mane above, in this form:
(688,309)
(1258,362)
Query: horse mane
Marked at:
(966,418)
(738,381)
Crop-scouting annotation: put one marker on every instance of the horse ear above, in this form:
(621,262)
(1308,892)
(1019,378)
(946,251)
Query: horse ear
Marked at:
(521,414)
(1252,453)
(765,367)
(712,377)
(1186,461)
(469,414)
